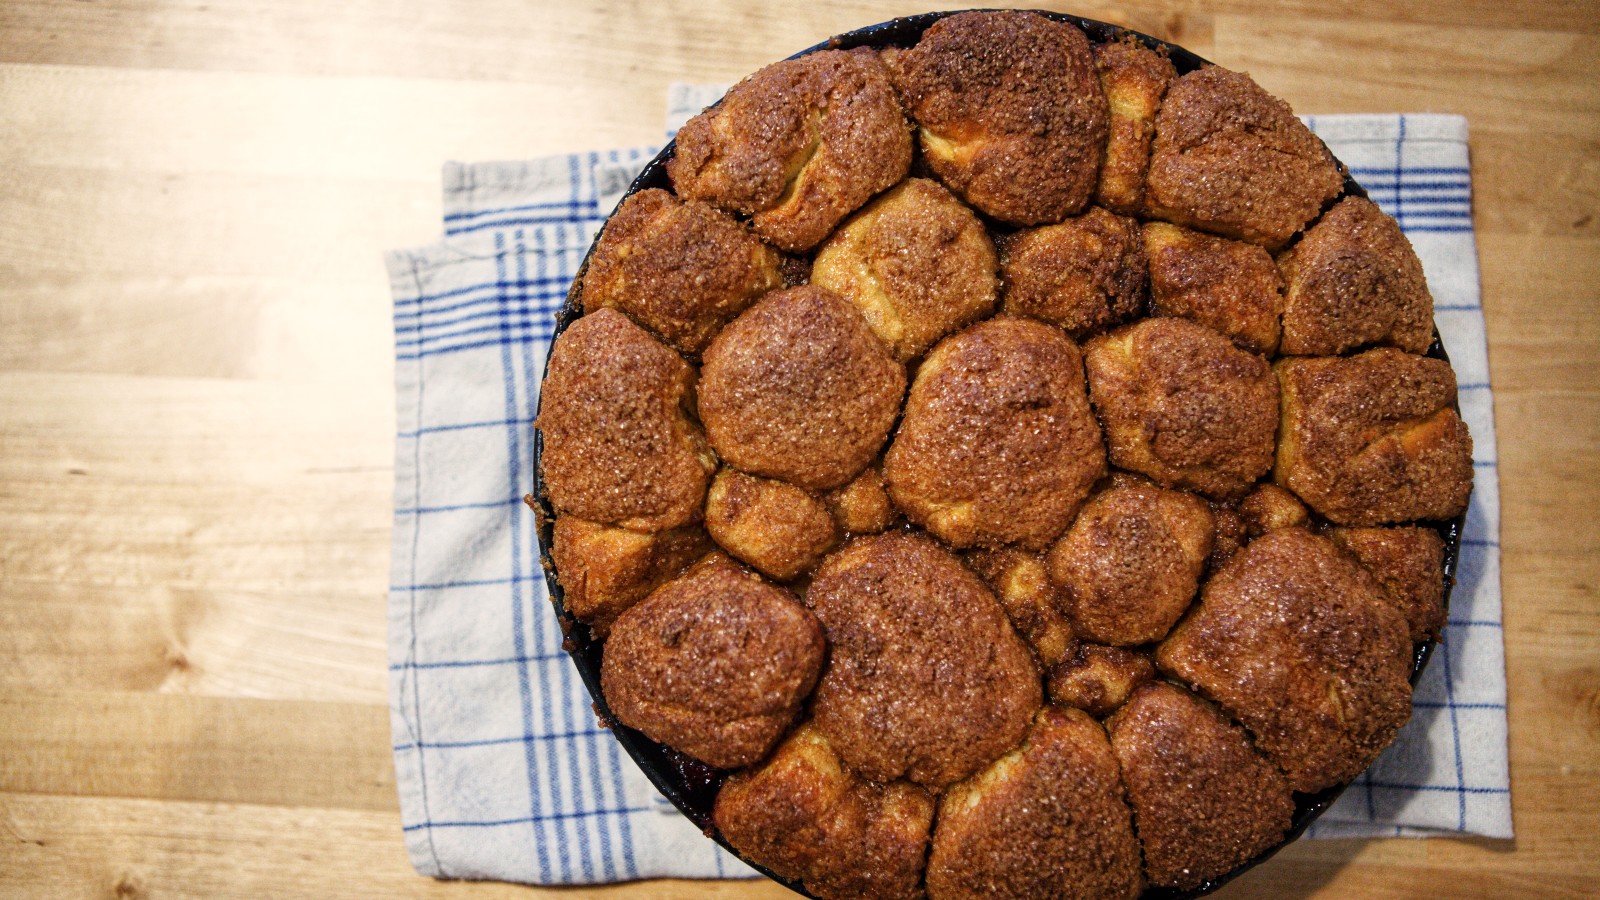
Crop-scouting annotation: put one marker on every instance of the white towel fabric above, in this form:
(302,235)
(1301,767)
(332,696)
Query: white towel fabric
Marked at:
(502,772)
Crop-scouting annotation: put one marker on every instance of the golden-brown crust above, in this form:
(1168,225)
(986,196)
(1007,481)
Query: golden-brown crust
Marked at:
(619,446)
(1296,642)
(1232,159)
(1098,679)
(1268,507)
(862,506)
(1204,801)
(606,570)
(916,262)
(1132,561)
(1134,78)
(1046,820)
(1232,532)
(1373,439)
(1409,565)
(797,146)
(772,525)
(1354,280)
(799,388)
(1227,286)
(1032,601)
(925,678)
(807,818)
(1010,112)
(1085,274)
(997,444)
(1181,404)
(682,270)
(714,663)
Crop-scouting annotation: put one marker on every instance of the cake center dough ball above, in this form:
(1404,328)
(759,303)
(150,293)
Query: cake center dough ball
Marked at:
(798,388)
(997,444)
(925,678)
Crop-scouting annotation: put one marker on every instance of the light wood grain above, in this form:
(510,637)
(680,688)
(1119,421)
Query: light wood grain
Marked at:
(196,403)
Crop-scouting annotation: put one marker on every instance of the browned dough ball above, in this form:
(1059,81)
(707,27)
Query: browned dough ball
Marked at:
(1134,79)
(1010,112)
(1297,642)
(916,262)
(1184,406)
(1227,286)
(774,526)
(797,146)
(604,570)
(1204,801)
(619,446)
(1033,602)
(1409,565)
(715,663)
(1046,820)
(997,444)
(682,270)
(1098,679)
(925,678)
(1374,438)
(1084,274)
(862,506)
(799,388)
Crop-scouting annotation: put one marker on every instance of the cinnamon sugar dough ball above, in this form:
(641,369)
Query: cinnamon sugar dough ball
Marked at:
(915,261)
(1373,439)
(1032,601)
(772,525)
(606,570)
(1227,286)
(1047,819)
(1084,274)
(1232,159)
(1268,507)
(1184,406)
(619,445)
(797,146)
(1009,110)
(798,388)
(1204,801)
(682,270)
(862,506)
(925,678)
(1098,679)
(1408,564)
(1132,561)
(997,444)
(1134,79)
(1232,533)
(1354,280)
(1297,643)
(715,663)
(805,816)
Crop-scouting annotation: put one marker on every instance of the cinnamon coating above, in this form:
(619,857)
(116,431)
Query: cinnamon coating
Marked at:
(605,570)
(1134,79)
(806,817)
(1408,564)
(715,663)
(1204,801)
(1132,561)
(1227,286)
(797,146)
(682,270)
(1232,159)
(1046,820)
(925,678)
(862,506)
(1009,110)
(1268,507)
(1373,439)
(1297,643)
(798,388)
(997,444)
(1032,601)
(1184,406)
(619,445)
(916,262)
(1098,679)
(774,526)
(1085,274)
(1354,280)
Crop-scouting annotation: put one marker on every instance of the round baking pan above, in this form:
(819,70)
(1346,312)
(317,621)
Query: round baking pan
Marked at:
(692,786)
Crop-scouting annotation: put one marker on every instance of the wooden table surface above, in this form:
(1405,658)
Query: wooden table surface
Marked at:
(196,401)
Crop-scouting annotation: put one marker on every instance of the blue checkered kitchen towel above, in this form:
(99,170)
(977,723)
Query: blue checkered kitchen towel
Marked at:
(502,771)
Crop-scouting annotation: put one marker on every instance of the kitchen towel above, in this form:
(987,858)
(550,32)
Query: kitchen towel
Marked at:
(501,768)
